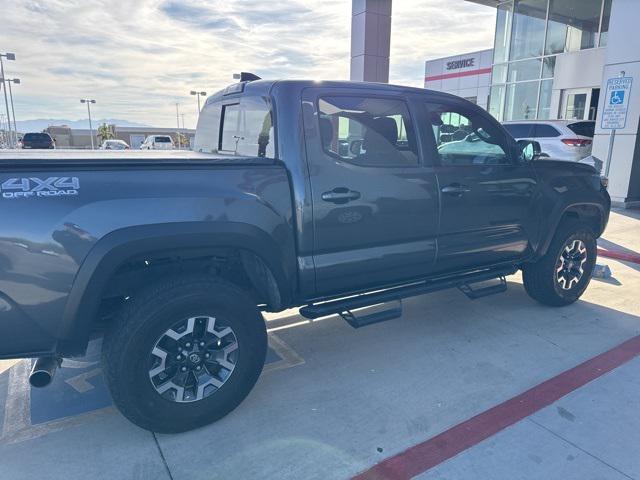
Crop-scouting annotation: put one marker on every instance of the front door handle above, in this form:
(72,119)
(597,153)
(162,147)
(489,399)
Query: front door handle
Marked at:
(340,195)
(455,189)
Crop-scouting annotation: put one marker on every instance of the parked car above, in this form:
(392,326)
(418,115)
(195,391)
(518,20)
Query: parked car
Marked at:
(174,256)
(114,144)
(41,140)
(559,139)
(157,142)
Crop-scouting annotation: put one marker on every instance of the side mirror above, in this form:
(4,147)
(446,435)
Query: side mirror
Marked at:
(529,150)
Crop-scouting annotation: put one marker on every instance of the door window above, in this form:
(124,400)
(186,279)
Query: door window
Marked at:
(463,137)
(365,131)
(519,130)
(576,103)
(542,130)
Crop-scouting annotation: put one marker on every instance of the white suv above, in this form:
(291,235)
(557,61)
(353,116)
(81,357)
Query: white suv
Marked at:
(157,142)
(559,139)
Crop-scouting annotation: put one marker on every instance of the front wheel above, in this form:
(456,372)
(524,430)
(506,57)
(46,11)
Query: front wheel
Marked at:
(184,353)
(562,275)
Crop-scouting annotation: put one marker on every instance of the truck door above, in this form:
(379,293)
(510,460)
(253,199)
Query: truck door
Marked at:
(375,204)
(486,192)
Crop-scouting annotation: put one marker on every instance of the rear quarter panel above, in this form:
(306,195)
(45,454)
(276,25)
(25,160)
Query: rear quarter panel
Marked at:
(44,240)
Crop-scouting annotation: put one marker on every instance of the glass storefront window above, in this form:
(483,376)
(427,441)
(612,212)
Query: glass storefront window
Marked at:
(527,35)
(548,67)
(499,73)
(496,101)
(503,32)
(521,101)
(524,70)
(573,25)
(544,104)
(604,29)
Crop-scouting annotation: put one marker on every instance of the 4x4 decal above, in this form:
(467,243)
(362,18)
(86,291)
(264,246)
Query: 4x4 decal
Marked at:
(27,187)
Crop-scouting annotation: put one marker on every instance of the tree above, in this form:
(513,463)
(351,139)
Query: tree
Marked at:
(182,140)
(105,132)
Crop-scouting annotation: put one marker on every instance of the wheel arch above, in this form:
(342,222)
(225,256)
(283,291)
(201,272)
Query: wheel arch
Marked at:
(592,214)
(117,247)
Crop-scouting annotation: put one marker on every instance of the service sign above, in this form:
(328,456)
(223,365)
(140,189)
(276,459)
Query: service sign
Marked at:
(616,103)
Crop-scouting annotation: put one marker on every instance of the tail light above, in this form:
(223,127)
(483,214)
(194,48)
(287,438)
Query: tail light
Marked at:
(576,142)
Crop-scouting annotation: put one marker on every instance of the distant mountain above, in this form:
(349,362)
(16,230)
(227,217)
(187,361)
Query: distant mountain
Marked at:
(39,124)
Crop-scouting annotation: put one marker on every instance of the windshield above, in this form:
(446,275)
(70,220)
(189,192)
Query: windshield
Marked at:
(162,140)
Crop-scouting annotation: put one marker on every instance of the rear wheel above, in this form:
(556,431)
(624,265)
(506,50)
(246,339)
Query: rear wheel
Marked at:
(563,274)
(184,353)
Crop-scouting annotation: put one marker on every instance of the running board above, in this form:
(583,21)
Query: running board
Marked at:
(475,293)
(362,319)
(346,305)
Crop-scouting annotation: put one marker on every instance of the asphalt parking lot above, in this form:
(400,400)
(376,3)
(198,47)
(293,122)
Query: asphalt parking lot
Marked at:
(333,401)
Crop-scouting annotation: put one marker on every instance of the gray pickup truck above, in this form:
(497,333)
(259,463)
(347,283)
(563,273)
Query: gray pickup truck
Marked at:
(329,196)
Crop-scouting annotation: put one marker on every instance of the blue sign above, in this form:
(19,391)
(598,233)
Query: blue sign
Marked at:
(617,97)
(614,114)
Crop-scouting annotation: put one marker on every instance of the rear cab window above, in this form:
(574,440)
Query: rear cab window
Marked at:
(237,126)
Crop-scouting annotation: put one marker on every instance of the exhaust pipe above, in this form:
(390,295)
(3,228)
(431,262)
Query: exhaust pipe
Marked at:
(43,371)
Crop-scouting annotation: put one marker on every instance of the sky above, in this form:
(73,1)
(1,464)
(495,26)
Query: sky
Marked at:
(138,58)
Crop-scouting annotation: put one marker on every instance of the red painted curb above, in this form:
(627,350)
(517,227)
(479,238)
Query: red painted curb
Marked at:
(626,257)
(420,458)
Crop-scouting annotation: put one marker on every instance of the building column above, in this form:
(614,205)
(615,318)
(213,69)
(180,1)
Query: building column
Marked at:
(622,55)
(370,40)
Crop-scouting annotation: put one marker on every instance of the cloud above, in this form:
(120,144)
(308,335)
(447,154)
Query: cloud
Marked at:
(139,58)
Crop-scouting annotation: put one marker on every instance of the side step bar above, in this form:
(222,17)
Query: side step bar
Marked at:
(345,305)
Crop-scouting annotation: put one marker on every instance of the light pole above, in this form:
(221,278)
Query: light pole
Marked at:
(198,94)
(89,101)
(8,56)
(13,110)
(4,143)
(178,123)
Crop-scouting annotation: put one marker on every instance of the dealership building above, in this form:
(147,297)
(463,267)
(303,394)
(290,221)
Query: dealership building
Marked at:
(467,76)
(561,59)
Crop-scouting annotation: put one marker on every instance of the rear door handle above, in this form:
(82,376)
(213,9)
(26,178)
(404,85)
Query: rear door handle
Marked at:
(455,189)
(340,195)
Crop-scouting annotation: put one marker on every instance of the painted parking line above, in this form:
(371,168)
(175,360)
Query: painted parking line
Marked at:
(426,455)
(617,255)
(79,393)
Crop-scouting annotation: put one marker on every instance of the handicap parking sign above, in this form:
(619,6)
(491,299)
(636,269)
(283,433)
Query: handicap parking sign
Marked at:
(617,97)
(614,115)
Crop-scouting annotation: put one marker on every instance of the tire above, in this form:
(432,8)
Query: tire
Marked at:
(542,280)
(205,310)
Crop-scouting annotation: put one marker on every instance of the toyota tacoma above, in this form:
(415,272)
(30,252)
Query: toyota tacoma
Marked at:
(328,196)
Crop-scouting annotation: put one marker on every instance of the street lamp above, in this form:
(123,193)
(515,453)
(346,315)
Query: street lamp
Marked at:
(13,110)
(4,142)
(198,94)
(8,56)
(89,101)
